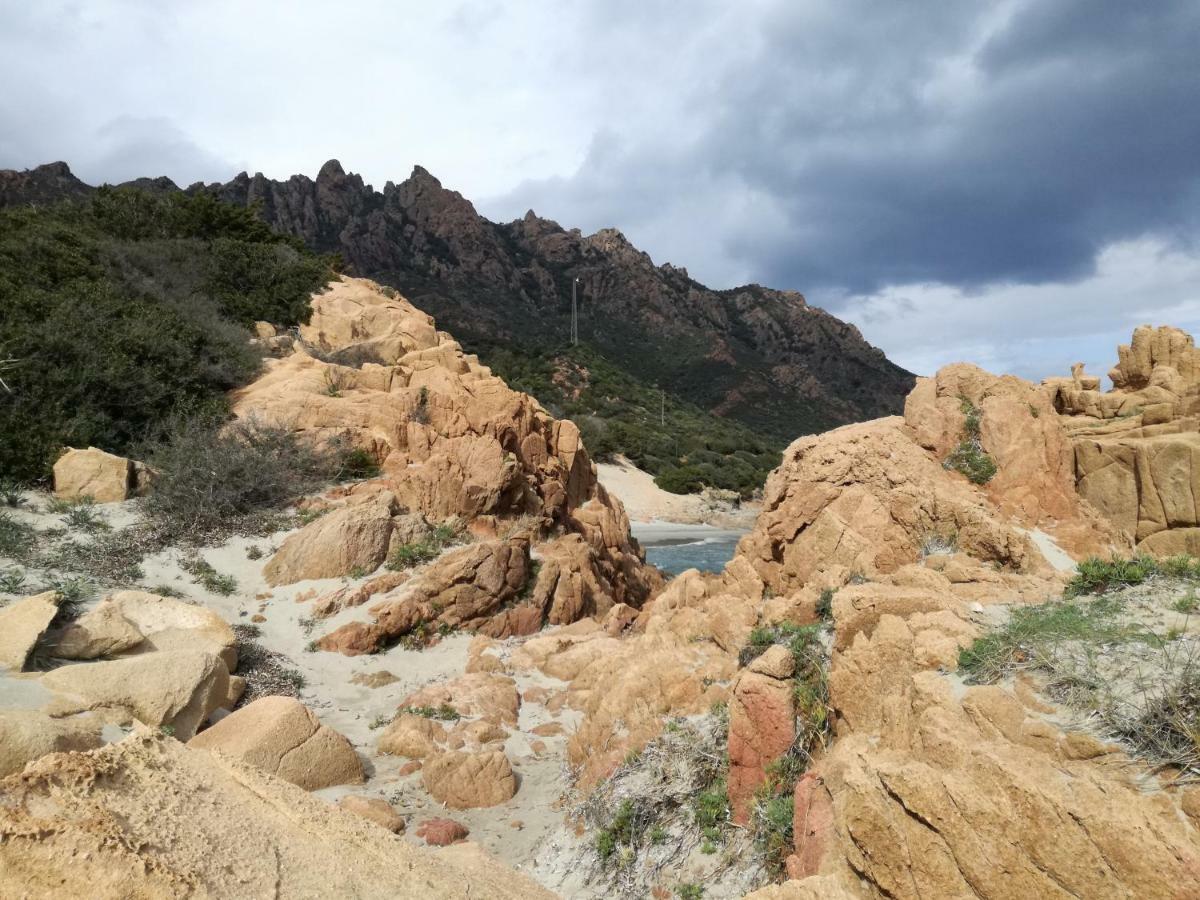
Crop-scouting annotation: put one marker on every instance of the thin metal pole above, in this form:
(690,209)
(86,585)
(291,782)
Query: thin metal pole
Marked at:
(574,314)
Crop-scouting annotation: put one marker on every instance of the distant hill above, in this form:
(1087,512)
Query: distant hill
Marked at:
(678,376)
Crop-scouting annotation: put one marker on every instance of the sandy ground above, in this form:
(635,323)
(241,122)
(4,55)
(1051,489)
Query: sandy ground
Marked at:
(646,502)
(528,828)
(519,831)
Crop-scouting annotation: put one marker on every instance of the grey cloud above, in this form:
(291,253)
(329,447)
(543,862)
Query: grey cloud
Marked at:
(925,142)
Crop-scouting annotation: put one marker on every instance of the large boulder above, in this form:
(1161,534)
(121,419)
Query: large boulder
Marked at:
(26,735)
(352,538)
(101,631)
(179,689)
(467,780)
(21,626)
(281,736)
(103,477)
(141,622)
(465,588)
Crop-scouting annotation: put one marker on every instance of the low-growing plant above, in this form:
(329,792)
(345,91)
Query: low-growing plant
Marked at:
(689,891)
(164,590)
(206,576)
(939,543)
(1031,630)
(825,605)
(1095,575)
(444,712)
(16,538)
(1187,605)
(254,552)
(11,580)
(969,457)
(408,556)
(380,721)
(85,517)
(10,492)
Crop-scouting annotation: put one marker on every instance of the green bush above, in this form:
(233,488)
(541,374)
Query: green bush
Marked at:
(682,445)
(1095,575)
(125,309)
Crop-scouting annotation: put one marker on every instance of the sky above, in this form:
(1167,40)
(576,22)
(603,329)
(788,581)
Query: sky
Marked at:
(1015,183)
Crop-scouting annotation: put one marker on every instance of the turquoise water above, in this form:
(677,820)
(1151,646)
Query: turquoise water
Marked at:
(707,555)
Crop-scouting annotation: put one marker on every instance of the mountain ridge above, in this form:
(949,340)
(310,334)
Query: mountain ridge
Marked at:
(431,243)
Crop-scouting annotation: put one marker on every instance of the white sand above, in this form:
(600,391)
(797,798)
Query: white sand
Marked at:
(645,501)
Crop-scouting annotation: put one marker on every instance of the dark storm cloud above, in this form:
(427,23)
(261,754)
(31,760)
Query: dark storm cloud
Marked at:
(966,143)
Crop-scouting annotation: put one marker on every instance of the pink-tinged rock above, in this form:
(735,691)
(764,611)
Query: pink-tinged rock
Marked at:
(442,832)
(762,727)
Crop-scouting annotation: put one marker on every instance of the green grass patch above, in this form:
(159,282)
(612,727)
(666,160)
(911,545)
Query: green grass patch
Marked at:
(1032,630)
(207,577)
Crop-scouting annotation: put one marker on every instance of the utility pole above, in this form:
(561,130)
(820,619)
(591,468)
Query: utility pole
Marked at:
(574,314)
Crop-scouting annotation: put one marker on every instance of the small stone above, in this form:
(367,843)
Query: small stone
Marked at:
(442,832)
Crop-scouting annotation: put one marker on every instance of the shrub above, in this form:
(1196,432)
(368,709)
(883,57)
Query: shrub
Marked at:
(969,457)
(825,605)
(11,580)
(16,538)
(122,309)
(1095,575)
(212,479)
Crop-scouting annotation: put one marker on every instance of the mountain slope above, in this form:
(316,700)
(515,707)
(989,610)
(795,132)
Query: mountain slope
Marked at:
(697,385)
(760,356)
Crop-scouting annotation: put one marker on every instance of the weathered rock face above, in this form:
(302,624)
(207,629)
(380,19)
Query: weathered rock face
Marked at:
(93,473)
(927,789)
(1137,447)
(468,780)
(762,726)
(26,735)
(92,825)
(22,624)
(139,622)
(179,688)
(373,810)
(452,440)
(281,736)
(353,538)
(467,588)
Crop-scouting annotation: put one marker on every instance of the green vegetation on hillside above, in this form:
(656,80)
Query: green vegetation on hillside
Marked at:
(126,310)
(683,446)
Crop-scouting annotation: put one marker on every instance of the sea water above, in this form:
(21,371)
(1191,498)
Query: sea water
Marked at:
(675,548)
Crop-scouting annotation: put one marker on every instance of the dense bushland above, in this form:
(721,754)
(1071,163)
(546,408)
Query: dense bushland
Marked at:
(122,311)
(683,446)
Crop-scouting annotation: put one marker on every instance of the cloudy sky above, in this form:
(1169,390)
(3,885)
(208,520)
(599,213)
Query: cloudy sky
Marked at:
(1015,182)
